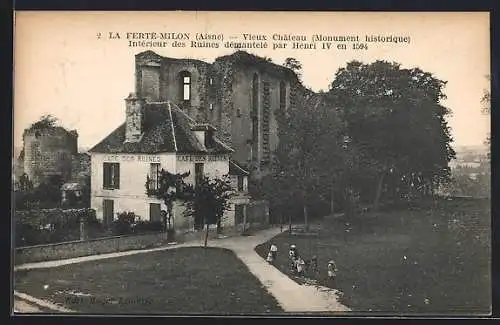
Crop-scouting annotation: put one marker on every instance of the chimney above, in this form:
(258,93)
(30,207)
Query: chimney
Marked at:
(134,120)
(205,134)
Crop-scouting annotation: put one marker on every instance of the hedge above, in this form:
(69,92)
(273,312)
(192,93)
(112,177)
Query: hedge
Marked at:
(45,226)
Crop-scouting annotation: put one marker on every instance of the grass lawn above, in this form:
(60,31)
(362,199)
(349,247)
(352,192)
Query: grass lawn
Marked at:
(183,280)
(429,260)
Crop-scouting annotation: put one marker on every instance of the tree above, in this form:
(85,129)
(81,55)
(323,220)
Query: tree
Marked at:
(210,201)
(45,122)
(307,157)
(395,124)
(294,65)
(486,109)
(170,188)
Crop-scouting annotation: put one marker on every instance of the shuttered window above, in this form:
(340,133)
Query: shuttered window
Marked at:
(111,176)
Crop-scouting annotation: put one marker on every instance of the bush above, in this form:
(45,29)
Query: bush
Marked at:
(124,223)
(46,226)
(148,226)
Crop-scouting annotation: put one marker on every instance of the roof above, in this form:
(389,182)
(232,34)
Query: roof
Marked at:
(236,169)
(167,129)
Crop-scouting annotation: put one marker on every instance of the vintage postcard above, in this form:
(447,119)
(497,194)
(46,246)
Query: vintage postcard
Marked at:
(251,163)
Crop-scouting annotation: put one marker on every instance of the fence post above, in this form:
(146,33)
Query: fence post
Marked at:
(83,228)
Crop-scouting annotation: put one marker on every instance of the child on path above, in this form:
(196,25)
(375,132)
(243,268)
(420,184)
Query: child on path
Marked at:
(332,273)
(293,255)
(300,263)
(269,257)
(274,251)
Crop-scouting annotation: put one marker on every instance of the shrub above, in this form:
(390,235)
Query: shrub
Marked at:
(45,226)
(148,226)
(124,223)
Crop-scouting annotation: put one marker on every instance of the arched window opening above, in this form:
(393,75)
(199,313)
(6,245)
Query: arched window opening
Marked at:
(186,85)
(255,116)
(282,96)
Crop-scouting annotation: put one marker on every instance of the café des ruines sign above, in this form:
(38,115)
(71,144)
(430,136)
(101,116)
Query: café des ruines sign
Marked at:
(207,158)
(157,159)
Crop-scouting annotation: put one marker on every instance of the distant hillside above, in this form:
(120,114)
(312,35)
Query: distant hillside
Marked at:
(477,149)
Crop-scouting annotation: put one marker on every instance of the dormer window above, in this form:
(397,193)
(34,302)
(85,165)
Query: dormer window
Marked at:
(186,86)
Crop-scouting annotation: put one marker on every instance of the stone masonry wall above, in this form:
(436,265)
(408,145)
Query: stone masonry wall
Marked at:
(48,153)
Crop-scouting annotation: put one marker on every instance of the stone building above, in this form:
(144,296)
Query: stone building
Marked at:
(126,165)
(48,153)
(239,94)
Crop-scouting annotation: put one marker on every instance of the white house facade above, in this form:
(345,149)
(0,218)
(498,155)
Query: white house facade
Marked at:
(158,136)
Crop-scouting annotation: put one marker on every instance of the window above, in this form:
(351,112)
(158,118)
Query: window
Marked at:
(211,81)
(186,85)
(154,212)
(198,173)
(240,183)
(211,106)
(111,176)
(154,176)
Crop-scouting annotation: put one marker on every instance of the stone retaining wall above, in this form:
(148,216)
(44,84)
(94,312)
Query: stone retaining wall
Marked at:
(72,249)
(38,253)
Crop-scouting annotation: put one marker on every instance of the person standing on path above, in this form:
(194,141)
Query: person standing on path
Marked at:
(332,273)
(274,251)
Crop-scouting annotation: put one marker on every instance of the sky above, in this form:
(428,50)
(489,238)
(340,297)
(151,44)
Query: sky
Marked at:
(62,67)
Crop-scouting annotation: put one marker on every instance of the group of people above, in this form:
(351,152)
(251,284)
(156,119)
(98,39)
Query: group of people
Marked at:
(300,266)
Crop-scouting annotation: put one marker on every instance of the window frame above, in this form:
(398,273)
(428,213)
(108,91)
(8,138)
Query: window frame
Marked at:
(111,175)
(186,81)
(154,179)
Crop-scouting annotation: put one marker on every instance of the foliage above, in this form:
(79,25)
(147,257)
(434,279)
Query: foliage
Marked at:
(294,65)
(46,195)
(308,160)
(395,125)
(486,109)
(210,200)
(51,225)
(124,223)
(171,187)
(128,223)
(45,122)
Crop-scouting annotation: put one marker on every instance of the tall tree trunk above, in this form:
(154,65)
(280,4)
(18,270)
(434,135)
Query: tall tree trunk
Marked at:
(281,220)
(306,223)
(347,202)
(218,227)
(376,203)
(206,235)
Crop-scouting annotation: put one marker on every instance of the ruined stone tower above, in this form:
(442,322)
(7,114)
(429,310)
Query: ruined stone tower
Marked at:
(48,152)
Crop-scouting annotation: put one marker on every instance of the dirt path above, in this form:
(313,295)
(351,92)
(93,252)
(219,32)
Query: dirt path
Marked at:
(292,296)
